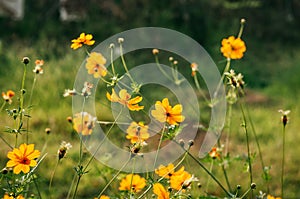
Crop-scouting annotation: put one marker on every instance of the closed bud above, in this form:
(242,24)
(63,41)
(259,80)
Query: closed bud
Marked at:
(25,60)
(191,142)
(48,131)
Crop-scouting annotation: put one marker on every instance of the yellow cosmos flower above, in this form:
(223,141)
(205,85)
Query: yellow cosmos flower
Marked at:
(22,158)
(8,96)
(95,65)
(272,197)
(103,197)
(124,99)
(165,113)
(132,182)
(160,191)
(165,171)
(137,132)
(84,123)
(6,196)
(233,48)
(82,39)
(180,179)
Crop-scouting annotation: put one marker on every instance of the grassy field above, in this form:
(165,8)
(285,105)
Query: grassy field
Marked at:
(277,72)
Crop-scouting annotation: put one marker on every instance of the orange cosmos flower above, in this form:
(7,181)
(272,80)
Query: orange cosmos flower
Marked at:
(95,65)
(84,123)
(38,67)
(214,153)
(272,197)
(133,183)
(22,158)
(160,191)
(165,171)
(233,48)
(82,39)
(180,179)
(165,113)
(194,67)
(137,132)
(8,96)
(103,197)
(124,99)
(6,196)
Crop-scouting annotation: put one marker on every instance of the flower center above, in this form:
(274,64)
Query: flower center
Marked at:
(25,161)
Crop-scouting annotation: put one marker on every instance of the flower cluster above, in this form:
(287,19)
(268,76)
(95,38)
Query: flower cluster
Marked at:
(179,180)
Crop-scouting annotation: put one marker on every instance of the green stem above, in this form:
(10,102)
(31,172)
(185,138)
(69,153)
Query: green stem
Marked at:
(51,178)
(247,140)
(159,145)
(226,69)
(112,61)
(199,88)
(76,187)
(257,143)
(114,177)
(283,158)
(210,174)
(229,128)
(70,189)
(2,106)
(210,170)
(124,64)
(161,70)
(21,103)
(224,169)
(245,193)
(6,142)
(37,188)
(29,104)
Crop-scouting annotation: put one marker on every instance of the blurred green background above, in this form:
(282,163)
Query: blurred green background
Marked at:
(271,67)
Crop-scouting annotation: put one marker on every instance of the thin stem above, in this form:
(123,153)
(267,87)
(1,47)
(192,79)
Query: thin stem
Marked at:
(29,104)
(22,91)
(76,187)
(124,64)
(70,190)
(257,144)
(229,128)
(210,174)
(114,177)
(247,140)
(224,169)
(6,142)
(100,144)
(160,68)
(2,106)
(112,60)
(226,69)
(210,170)
(159,145)
(51,178)
(37,188)
(241,28)
(199,88)
(245,193)
(283,158)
